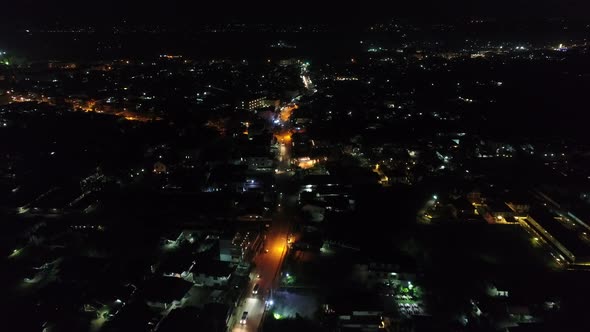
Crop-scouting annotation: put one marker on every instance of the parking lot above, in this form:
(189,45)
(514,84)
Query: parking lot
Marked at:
(407,298)
(409,307)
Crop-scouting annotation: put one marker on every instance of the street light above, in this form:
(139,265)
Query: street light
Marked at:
(435,197)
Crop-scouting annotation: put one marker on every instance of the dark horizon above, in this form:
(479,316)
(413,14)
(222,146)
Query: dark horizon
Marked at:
(175,12)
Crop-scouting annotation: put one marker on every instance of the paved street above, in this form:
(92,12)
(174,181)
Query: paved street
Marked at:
(268,265)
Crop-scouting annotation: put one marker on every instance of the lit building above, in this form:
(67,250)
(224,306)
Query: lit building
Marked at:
(62,65)
(289,62)
(253,104)
(160,167)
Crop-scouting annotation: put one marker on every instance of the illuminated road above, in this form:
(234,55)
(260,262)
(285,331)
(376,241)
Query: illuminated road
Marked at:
(306,78)
(268,265)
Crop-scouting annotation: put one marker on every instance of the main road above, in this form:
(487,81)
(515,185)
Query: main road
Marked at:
(268,264)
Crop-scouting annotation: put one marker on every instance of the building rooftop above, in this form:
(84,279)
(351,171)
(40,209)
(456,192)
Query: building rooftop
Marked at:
(462,204)
(165,289)
(134,316)
(212,268)
(568,237)
(176,263)
(180,319)
(498,206)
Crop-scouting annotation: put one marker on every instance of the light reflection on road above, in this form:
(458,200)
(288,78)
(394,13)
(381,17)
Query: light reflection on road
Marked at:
(268,264)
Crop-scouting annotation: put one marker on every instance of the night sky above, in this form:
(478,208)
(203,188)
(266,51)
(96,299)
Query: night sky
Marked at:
(171,11)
